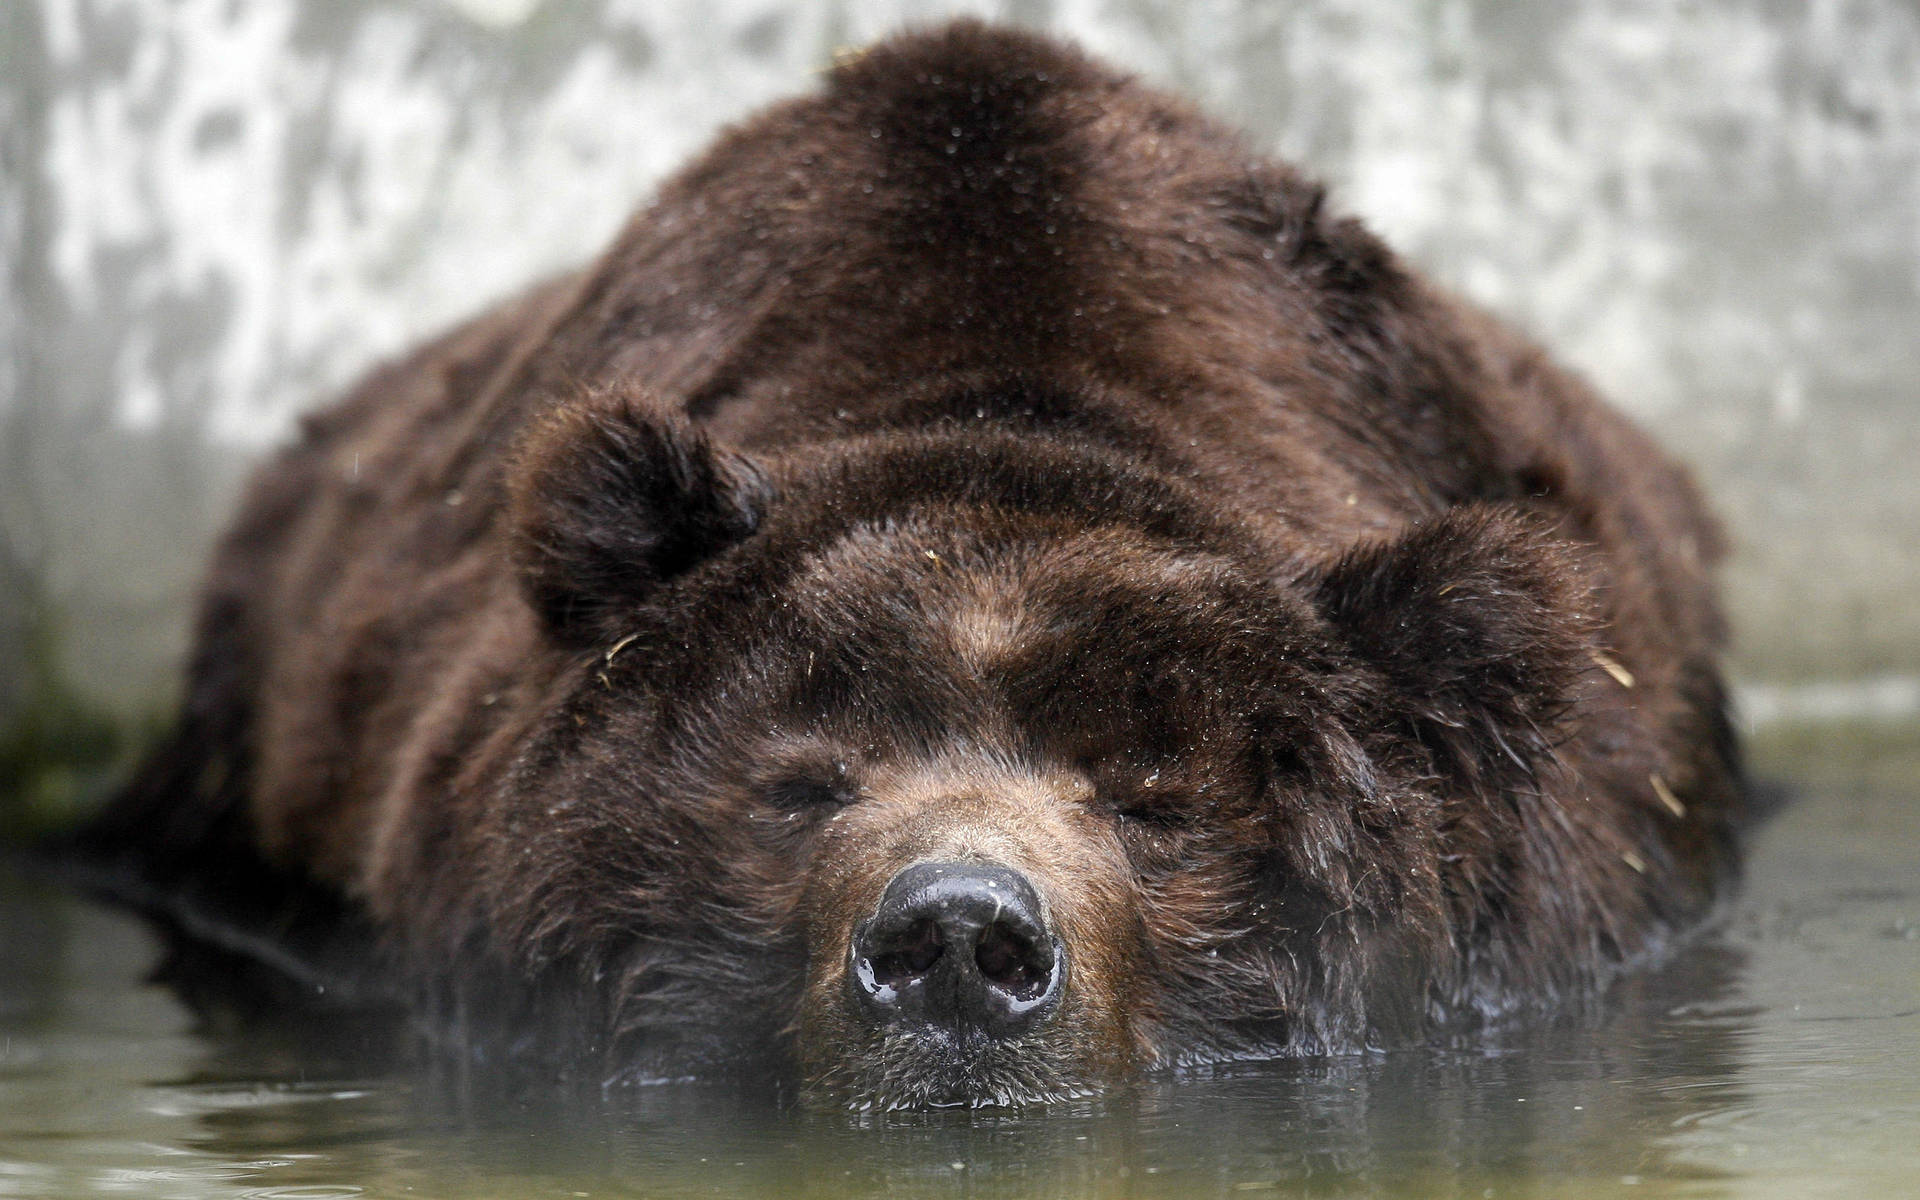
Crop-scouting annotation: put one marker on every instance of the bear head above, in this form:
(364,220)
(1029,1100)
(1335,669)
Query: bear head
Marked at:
(981,765)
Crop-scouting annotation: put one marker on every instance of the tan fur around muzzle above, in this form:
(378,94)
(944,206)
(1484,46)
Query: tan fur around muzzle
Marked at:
(974,810)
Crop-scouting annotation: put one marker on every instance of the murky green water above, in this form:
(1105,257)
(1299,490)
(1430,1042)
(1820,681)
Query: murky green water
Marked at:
(1780,1056)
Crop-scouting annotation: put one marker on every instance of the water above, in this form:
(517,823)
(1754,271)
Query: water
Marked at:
(1776,1057)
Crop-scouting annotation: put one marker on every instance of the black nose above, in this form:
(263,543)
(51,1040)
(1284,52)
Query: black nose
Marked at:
(961,946)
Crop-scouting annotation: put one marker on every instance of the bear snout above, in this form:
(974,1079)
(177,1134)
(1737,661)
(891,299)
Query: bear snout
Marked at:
(973,940)
(958,947)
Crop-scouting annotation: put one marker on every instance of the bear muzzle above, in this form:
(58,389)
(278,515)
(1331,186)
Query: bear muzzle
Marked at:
(961,949)
(973,941)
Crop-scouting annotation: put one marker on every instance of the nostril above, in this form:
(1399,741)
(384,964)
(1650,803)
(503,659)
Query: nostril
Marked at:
(1012,963)
(909,955)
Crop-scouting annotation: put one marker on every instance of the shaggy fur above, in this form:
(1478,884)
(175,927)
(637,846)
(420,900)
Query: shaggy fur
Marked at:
(990,458)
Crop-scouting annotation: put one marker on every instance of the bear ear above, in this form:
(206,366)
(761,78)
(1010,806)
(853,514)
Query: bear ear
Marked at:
(610,497)
(1481,623)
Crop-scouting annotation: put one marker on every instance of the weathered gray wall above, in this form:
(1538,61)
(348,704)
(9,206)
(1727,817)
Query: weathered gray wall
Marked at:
(216,212)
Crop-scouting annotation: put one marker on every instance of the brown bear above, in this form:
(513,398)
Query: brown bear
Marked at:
(987,588)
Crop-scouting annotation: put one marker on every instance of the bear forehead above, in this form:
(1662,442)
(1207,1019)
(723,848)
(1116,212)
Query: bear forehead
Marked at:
(1084,643)
(939,586)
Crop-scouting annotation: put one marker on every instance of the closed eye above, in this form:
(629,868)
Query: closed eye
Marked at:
(1159,815)
(1160,807)
(802,794)
(1156,798)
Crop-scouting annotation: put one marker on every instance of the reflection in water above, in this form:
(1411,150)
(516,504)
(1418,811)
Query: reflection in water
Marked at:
(118,1095)
(1771,1057)
(1568,1105)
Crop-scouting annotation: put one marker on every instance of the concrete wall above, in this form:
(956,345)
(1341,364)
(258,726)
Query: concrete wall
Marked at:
(216,212)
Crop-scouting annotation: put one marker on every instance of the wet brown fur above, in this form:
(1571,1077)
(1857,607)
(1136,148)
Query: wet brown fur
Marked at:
(986,456)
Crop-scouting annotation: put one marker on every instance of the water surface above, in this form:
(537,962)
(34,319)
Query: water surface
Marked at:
(1775,1056)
